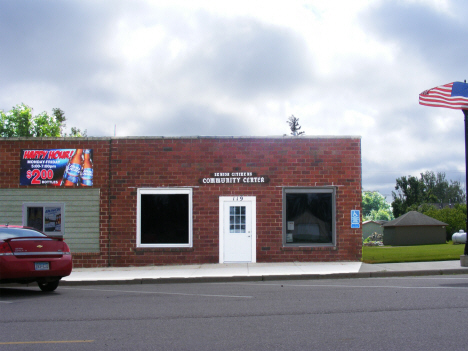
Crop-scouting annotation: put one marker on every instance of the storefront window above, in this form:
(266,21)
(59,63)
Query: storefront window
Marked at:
(164,218)
(46,217)
(308,216)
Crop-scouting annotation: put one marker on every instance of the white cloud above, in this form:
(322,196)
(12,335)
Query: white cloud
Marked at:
(242,68)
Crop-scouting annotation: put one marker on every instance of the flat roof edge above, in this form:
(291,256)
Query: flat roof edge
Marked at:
(279,137)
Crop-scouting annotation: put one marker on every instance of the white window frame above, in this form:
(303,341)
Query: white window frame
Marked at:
(312,190)
(44,205)
(164,191)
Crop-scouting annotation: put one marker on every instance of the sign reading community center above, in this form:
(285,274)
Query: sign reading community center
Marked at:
(58,167)
(234,178)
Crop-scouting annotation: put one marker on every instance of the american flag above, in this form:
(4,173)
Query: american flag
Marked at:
(452,95)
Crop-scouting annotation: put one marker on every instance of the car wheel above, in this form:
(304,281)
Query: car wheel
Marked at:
(48,286)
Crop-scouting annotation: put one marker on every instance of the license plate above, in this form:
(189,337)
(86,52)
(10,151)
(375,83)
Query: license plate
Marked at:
(41,266)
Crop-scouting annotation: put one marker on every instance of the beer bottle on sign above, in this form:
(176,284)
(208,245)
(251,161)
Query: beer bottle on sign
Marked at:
(73,170)
(87,172)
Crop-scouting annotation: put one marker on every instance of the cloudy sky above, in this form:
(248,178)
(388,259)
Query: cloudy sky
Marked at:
(241,68)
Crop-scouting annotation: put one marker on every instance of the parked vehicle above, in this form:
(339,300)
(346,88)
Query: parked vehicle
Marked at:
(28,255)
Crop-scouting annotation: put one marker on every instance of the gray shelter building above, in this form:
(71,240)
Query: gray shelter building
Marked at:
(414,228)
(371,227)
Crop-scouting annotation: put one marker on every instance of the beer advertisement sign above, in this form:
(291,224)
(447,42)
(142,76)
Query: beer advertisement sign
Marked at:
(58,167)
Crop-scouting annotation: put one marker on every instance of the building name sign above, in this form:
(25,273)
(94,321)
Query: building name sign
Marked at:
(234,178)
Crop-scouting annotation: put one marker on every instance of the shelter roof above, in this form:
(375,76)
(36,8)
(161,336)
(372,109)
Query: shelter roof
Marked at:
(379,222)
(414,218)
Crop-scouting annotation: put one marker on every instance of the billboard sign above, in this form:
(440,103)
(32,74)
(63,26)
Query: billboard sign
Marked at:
(58,167)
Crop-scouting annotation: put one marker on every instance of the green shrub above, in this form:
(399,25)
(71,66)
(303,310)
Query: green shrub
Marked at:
(455,218)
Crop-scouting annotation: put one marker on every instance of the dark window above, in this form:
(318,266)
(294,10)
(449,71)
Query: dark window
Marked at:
(35,218)
(46,217)
(309,216)
(165,218)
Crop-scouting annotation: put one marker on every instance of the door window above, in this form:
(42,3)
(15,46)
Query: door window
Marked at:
(237,219)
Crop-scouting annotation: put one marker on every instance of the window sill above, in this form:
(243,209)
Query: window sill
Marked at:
(163,249)
(309,248)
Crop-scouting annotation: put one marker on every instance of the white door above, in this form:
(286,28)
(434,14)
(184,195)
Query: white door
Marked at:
(237,229)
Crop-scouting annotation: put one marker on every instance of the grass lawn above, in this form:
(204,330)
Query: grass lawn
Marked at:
(387,254)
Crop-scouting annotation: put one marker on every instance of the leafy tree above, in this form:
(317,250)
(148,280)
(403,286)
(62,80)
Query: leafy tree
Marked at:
(76,132)
(455,217)
(380,215)
(375,206)
(20,122)
(442,189)
(294,125)
(410,192)
(60,118)
(430,188)
(16,122)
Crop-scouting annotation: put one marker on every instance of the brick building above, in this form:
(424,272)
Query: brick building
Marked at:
(156,200)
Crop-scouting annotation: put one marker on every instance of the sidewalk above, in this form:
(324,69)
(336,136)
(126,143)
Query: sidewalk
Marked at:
(256,272)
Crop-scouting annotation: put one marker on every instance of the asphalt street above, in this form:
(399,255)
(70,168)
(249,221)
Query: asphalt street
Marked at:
(391,313)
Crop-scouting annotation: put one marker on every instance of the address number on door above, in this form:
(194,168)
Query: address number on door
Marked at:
(238,198)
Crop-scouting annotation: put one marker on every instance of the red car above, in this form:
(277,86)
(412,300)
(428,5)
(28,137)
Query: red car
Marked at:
(28,255)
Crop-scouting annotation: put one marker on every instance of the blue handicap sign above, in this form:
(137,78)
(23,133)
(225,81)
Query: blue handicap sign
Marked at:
(355,219)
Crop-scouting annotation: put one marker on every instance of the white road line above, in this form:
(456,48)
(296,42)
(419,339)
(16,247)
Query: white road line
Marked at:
(44,342)
(354,286)
(381,286)
(160,293)
(430,278)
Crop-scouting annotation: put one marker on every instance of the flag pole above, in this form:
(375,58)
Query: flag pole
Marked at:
(452,95)
(465,112)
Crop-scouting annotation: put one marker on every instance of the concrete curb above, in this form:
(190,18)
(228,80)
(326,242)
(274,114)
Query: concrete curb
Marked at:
(219,279)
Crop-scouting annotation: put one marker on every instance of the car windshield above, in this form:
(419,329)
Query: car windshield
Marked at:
(7,233)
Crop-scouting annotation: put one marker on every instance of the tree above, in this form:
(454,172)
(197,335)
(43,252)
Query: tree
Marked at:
(429,189)
(76,132)
(375,207)
(410,192)
(442,189)
(60,118)
(455,217)
(380,215)
(294,125)
(20,122)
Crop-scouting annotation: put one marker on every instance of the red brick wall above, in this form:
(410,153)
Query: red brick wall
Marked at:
(176,162)
(173,162)
(10,152)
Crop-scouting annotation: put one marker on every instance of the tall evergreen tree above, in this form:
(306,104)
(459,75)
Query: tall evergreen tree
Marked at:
(294,125)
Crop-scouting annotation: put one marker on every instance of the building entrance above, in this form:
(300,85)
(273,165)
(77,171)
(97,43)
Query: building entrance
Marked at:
(237,235)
